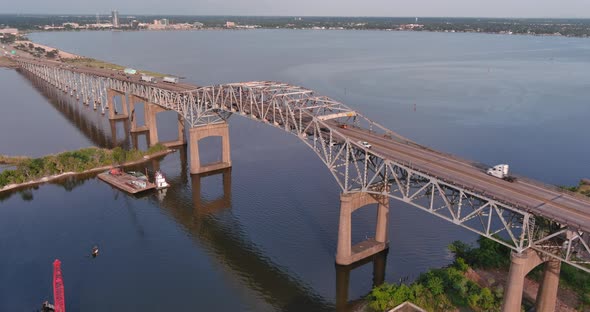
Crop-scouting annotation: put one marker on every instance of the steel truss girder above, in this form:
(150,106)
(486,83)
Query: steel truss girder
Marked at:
(356,169)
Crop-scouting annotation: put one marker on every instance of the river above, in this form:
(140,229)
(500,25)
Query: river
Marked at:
(262,237)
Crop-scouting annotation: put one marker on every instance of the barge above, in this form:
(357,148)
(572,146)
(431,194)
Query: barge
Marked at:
(132,182)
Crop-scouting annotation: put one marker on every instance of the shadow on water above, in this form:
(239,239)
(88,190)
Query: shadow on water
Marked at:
(208,221)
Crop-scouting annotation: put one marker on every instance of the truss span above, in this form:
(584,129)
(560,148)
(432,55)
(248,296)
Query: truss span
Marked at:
(521,215)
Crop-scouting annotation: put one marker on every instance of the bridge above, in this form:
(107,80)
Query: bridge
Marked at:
(542,224)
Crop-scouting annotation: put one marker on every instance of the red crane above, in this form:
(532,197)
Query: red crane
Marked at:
(58,287)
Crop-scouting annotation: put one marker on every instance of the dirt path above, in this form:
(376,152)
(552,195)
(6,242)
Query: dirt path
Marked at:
(567,299)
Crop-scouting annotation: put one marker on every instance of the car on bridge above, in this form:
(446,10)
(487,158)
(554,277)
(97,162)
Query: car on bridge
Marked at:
(365,144)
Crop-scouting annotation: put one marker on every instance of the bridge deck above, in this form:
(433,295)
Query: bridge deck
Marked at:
(560,206)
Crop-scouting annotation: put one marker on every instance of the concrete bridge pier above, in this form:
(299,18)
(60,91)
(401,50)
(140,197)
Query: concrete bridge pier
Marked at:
(113,114)
(346,253)
(152,111)
(523,263)
(201,132)
(132,102)
(151,123)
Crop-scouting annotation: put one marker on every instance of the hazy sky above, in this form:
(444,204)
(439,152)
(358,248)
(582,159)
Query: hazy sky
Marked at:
(473,8)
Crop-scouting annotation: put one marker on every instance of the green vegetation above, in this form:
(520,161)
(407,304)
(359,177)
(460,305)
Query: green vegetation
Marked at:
(582,188)
(493,255)
(438,290)
(94,63)
(28,169)
(448,288)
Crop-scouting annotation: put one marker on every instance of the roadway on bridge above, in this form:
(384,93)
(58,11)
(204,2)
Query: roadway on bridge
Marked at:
(563,207)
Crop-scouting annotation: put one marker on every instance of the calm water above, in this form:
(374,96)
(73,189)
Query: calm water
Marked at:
(262,236)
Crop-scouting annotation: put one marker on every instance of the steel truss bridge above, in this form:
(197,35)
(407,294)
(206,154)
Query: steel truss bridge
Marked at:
(521,215)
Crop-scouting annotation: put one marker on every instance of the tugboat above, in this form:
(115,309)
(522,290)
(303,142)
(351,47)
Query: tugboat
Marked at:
(160,181)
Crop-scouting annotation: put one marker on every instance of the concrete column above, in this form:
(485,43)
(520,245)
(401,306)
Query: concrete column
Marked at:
(344,247)
(111,103)
(547,294)
(151,121)
(198,133)
(346,253)
(382,218)
(521,264)
(181,136)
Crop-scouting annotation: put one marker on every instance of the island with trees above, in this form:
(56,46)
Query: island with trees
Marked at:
(28,171)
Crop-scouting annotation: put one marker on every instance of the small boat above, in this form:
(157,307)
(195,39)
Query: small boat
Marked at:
(160,181)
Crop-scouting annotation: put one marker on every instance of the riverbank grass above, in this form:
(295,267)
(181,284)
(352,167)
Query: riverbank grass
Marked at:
(29,169)
(94,63)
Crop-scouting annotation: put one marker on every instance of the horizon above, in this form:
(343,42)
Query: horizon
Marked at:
(123,14)
(574,9)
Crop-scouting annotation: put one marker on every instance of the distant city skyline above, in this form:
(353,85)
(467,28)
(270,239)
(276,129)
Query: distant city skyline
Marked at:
(368,8)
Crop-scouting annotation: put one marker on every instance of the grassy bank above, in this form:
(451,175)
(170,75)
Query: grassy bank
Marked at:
(90,62)
(29,169)
(583,188)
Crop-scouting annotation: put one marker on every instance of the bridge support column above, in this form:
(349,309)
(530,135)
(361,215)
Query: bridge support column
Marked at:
(346,253)
(198,133)
(134,128)
(112,107)
(521,264)
(151,123)
(547,294)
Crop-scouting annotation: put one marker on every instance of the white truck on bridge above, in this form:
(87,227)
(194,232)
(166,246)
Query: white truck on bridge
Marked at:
(148,78)
(501,171)
(169,79)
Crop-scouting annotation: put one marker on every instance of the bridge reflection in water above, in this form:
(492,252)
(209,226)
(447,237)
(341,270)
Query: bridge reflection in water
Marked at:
(224,239)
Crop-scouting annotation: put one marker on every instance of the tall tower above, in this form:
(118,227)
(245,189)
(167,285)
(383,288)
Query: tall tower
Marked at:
(97,19)
(115,16)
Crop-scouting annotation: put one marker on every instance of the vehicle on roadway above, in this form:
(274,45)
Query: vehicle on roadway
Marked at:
(130,71)
(147,78)
(501,171)
(169,79)
(365,144)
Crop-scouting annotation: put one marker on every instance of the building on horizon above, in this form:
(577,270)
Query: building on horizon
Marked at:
(230,24)
(115,16)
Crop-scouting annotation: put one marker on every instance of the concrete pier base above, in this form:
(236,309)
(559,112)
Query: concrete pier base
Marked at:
(523,263)
(198,133)
(113,114)
(346,253)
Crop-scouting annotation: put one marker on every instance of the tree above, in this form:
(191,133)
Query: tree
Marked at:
(52,53)
(119,155)
(435,285)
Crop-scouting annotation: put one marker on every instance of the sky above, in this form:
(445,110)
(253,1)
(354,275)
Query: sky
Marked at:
(393,8)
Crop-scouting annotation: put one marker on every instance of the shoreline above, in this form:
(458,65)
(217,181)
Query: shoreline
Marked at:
(326,29)
(12,187)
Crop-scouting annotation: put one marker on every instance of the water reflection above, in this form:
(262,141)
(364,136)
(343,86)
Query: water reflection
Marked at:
(89,122)
(343,280)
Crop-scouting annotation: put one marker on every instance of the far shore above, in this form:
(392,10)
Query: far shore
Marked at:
(94,170)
